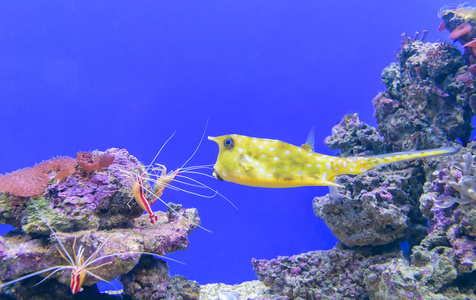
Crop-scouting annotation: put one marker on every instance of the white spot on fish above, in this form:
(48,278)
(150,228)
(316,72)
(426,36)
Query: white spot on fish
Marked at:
(287,152)
(271,149)
(345,164)
(324,175)
(272,170)
(269,175)
(218,167)
(263,155)
(261,147)
(261,170)
(328,165)
(248,159)
(352,170)
(318,158)
(239,141)
(256,164)
(310,154)
(299,173)
(308,165)
(275,158)
(339,161)
(336,169)
(355,165)
(240,150)
(319,166)
(362,170)
(255,141)
(234,159)
(239,171)
(251,145)
(299,149)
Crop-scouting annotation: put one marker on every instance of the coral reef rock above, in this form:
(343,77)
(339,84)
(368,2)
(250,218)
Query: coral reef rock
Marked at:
(353,137)
(151,280)
(377,208)
(423,106)
(334,274)
(91,213)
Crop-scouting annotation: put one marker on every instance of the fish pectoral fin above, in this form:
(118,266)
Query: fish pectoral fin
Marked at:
(310,141)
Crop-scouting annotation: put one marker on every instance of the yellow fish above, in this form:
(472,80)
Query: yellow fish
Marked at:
(276,164)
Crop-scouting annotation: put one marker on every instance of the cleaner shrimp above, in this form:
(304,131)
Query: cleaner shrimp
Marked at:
(161,179)
(77,263)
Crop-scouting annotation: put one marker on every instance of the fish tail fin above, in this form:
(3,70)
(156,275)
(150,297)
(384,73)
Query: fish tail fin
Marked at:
(386,159)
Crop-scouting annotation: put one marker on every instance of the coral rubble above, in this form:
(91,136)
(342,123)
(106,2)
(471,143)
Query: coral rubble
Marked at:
(90,210)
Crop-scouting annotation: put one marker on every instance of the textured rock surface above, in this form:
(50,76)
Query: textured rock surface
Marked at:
(423,106)
(353,137)
(400,280)
(149,281)
(375,208)
(333,274)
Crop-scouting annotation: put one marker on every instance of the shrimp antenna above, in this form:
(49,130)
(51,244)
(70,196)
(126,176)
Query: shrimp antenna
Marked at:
(198,146)
(209,188)
(160,199)
(160,150)
(54,234)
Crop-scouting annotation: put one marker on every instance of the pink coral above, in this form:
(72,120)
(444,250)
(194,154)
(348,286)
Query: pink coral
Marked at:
(30,182)
(460,31)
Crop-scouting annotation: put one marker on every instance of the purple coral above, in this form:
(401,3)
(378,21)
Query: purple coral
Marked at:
(458,175)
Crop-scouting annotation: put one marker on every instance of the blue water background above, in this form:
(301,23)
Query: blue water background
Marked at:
(85,75)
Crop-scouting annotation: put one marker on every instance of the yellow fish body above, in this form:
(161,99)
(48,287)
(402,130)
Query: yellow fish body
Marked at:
(276,164)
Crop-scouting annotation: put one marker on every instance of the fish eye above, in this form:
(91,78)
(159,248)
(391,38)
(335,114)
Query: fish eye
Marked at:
(228,143)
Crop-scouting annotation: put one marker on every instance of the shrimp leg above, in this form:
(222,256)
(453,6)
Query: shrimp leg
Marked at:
(139,195)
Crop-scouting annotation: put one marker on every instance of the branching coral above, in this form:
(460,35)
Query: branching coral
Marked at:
(456,175)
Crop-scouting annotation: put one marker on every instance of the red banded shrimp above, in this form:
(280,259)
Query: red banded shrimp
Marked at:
(159,178)
(79,265)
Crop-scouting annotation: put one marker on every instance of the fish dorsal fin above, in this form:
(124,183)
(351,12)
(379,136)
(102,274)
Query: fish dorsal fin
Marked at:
(310,141)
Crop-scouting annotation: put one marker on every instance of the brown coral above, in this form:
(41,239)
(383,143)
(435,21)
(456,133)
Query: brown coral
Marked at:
(30,182)
(89,163)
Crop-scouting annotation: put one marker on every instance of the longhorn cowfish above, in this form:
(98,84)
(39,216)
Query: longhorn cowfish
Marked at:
(276,164)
